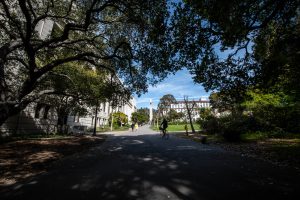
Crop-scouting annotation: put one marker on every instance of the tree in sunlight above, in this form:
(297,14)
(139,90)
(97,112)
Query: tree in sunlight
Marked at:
(164,105)
(141,116)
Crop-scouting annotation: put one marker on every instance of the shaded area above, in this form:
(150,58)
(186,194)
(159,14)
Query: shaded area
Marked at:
(26,158)
(148,167)
(25,123)
(279,151)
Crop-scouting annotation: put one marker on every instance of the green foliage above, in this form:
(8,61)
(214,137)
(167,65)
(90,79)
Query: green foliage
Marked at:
(164,105)
(210,125)
(174,116)
(208,122)
(274,110)
(205,113)
(125,38)
(176,127)
(231,127)
(227,100)
(202,34)
(120,119)
(141,116)
(177,122)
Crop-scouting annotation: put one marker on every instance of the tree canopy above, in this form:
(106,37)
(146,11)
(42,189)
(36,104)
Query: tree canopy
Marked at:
(124,37)
(141,116)
(229,45)
(165,102)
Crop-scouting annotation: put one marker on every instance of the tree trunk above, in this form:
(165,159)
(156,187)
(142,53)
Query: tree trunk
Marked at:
(10,110)
(95,124)
(189,113)
(191,121)
(112,122)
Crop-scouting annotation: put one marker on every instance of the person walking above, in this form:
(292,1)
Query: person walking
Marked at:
(164,126)
(136,126)
(132,126)
(186,130)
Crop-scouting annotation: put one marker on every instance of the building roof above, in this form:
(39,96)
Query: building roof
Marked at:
(198,101)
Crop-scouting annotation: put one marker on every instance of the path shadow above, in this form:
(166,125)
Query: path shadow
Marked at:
(147,167)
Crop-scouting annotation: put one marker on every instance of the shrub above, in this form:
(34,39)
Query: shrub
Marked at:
(210,125)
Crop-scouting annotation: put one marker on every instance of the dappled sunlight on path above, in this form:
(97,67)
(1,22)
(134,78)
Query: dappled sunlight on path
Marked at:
(142,165)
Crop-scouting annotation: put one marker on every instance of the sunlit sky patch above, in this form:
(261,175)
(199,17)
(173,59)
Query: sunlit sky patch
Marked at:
(178,85)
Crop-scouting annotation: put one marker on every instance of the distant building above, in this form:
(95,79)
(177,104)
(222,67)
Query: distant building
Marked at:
(180,106)
(104,111)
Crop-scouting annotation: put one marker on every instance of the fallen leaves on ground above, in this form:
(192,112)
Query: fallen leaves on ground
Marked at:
(282,152)
(26,158)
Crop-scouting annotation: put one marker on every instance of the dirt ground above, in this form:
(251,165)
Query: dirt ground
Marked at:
(281,152)
(26,158)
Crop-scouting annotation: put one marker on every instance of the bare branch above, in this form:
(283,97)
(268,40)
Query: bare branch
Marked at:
(19,60)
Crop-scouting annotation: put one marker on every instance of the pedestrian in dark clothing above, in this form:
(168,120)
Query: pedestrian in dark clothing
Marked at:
(164,126)
(186,130)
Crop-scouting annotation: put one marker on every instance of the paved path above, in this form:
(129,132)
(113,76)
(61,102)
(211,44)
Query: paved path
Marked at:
(141,165)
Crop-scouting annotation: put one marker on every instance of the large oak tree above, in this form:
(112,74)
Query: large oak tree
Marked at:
(125,37)
(230,45)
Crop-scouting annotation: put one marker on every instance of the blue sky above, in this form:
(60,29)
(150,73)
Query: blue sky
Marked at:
(178,85)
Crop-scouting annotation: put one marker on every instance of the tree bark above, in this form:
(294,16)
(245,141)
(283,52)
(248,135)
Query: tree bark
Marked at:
(9,110)
(189,113)
(95,124)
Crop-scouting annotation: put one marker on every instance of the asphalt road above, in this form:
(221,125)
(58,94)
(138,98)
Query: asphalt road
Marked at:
(142,165)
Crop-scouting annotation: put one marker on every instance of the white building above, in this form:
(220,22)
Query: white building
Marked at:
(103,113)
(180,106)
(35,118)
(42,118)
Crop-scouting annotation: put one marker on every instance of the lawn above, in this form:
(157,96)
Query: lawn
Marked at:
(107,128)
(179,127)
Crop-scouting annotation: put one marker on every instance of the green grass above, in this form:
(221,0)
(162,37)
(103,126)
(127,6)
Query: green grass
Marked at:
(123,128)
(107,128)
(179,127)
(258,136)
(254,136)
